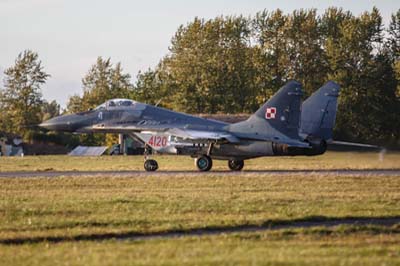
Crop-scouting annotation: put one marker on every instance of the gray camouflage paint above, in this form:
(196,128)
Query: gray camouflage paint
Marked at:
(279,127)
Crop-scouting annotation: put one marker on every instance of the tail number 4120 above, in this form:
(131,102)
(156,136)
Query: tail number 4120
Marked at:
(158,141)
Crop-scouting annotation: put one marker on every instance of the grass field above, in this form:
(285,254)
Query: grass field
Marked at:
(360,246)
(35,211)
(330,160)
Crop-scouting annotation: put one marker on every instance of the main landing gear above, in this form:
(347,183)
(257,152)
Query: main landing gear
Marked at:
(150,165)
(235,165)
(204,163)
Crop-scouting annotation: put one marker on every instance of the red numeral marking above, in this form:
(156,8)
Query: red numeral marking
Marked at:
(157,141)
(158,138)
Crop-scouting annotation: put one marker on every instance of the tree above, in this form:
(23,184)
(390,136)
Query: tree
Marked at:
(102,82)
(155,87)
(74,104)
(49,110)
(393,40)
(393,45)
(306,54)
(210,64)
(270,31)
(21,98)
(358,61)
(393,51)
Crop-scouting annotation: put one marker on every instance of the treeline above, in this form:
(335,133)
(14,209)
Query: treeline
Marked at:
(234,64)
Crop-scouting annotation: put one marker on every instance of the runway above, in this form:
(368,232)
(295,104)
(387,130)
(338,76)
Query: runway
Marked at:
(248,173)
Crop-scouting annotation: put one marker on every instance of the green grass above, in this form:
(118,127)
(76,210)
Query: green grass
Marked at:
(360,246)
(330,160)
(295,247)
(67,207)
(89,205)
(71,207)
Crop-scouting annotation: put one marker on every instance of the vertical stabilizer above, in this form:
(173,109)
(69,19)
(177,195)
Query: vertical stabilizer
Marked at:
(277,119)
(319,112)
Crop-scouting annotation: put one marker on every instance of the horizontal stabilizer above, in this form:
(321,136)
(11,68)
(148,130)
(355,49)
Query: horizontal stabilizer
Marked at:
(352,144)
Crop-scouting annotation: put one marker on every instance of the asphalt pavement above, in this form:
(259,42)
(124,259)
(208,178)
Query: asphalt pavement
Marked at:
(137,173)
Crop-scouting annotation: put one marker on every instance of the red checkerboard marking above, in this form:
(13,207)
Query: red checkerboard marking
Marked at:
(270,113)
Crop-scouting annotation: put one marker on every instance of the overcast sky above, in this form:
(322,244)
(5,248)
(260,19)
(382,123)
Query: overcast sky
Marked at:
(70,34)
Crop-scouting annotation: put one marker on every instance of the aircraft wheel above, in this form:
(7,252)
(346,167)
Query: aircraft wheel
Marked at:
(150,165)
(204,163)
(235,165)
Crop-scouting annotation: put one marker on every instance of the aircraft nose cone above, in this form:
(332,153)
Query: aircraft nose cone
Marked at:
(62,123)
(44,125)
(52,124)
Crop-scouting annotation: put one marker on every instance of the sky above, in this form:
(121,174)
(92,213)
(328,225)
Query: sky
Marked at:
(69,35)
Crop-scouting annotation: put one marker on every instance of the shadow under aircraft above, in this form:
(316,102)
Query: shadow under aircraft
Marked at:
(283,126)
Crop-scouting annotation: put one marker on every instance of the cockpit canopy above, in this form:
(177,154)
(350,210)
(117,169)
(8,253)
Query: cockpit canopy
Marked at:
(117,104)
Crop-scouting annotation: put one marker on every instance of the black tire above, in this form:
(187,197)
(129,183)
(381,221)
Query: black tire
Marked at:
(150,165)
(236,165)
(204,163)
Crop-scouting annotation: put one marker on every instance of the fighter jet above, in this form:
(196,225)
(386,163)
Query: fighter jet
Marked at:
(283,126)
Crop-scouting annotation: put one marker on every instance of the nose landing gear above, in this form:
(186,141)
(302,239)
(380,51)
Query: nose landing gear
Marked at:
(150,165)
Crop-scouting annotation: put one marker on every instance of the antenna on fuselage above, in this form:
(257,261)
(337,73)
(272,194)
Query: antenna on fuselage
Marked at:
(158,102)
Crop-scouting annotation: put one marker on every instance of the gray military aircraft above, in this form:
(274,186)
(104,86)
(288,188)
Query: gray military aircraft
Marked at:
(282,126)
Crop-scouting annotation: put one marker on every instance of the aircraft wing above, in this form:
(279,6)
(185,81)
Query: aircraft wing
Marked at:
(200,135)
(117,128)
(203,136)
(178,131)
(190,134)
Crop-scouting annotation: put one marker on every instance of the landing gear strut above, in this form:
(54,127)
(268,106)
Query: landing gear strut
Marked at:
(150,165)
(235,165)
(204,163)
